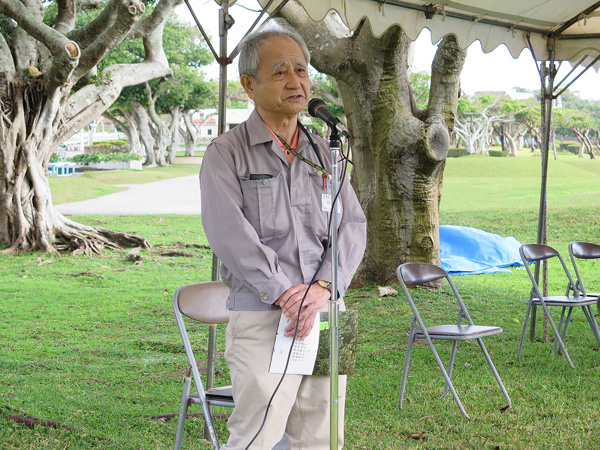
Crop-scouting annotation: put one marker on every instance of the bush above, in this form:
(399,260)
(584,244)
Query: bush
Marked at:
(571,147)
(457,152)
(497,153)
(120,145)
(99,157)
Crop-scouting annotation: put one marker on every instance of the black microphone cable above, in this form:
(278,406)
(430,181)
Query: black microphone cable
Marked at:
(344,160)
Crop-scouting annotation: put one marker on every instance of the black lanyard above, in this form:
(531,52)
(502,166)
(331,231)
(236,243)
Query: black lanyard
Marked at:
(321,167)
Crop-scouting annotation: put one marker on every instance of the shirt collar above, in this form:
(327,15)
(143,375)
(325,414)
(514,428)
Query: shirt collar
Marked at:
(260,134)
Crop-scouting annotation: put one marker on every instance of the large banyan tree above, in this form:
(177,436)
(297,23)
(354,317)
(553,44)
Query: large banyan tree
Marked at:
(49,89)
(399,149)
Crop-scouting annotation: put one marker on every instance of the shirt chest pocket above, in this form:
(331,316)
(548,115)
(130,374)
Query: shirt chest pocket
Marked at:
(266,206)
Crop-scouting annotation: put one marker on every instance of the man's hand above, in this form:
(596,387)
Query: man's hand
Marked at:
(290,301)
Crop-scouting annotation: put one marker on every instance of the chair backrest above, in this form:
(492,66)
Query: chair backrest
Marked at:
(204,302)
(541,252)
(419,273)
(412,274)
(536,252)
(584,250)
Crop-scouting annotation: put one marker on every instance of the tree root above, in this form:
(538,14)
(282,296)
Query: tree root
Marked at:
(167,417)
(31,422)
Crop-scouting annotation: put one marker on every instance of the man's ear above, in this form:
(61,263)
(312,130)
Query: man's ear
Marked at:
(248,83)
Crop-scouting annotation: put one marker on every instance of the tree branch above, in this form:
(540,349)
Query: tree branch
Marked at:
(65,18)
(152,28)
(327,96)
(151,108)
(85,35)
(29,21)
(328,36)
(445,81)
(7,65)
(128,13)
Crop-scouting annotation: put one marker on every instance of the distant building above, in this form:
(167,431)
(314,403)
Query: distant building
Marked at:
(206,120)
(513,93)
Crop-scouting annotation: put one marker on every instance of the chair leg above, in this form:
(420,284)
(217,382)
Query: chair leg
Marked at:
(446,377)
(562,327)
(557,334)
(411,337)
(494,371)
(187,381)
(450,366)
(524,331)
(589,314)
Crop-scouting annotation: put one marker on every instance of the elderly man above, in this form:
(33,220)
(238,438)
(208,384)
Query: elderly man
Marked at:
(265,214)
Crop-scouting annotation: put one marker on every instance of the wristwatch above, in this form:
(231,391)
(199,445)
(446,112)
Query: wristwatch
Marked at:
(324,284)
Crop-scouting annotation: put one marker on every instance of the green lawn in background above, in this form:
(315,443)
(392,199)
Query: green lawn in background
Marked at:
(92,342)
(94,184)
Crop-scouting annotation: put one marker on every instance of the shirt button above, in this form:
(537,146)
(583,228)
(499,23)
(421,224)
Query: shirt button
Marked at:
(265,182)
(265,296)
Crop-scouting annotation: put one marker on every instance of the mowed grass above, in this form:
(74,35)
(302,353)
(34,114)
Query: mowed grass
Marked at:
(94,184)
(91,343)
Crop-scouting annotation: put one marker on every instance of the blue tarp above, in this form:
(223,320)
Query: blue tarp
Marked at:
(466,250)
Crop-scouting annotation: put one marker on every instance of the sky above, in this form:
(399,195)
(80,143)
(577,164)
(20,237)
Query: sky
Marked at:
(494,71)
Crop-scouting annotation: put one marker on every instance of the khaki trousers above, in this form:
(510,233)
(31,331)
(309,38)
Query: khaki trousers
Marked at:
(300,408)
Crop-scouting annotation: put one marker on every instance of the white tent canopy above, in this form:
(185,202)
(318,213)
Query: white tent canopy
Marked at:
(574,24)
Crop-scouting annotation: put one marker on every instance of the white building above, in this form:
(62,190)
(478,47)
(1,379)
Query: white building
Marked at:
(206,120)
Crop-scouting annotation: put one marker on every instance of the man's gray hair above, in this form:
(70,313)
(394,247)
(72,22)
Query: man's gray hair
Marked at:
(250,45)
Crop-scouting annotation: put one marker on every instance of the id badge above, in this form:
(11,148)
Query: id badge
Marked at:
(326,202)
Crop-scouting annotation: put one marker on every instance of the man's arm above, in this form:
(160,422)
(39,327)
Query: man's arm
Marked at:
(231,237)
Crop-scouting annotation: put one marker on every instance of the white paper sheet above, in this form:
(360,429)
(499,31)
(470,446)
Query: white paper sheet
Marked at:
(304,353)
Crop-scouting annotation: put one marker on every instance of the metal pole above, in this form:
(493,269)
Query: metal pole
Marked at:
(548,72)
(224,23)
(334,305)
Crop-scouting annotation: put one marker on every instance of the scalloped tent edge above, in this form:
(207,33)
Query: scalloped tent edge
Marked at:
(553,30)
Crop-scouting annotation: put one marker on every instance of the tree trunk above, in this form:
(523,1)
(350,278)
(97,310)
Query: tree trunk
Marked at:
(143,121)
(190,134)
(42,105)
(159,129)
(399,152)
(129,127)
(174,133)
(133,135)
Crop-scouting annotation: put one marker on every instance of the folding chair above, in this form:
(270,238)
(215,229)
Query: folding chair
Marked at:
(203,302)
(540,252)
(411,274)
(583,250)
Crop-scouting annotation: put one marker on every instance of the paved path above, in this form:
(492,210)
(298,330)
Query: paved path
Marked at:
(170,196)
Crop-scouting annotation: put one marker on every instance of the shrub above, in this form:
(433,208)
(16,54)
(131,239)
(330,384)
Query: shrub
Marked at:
(571,147)
(497,153)
(120,145)
(99,157)
(457,152)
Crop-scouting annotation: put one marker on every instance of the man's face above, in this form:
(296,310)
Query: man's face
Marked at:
(283,87)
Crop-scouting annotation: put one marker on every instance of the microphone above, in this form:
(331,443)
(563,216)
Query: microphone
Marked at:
(317,108)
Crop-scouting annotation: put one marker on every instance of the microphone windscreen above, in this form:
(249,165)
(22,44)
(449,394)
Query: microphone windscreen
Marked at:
(313,105)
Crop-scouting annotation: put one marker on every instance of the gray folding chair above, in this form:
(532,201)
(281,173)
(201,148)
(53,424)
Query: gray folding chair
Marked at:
(202,302)
(583,250)
(540,252)
(412,274)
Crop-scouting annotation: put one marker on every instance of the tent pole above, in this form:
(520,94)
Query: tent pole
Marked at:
(225,22)
(547,76)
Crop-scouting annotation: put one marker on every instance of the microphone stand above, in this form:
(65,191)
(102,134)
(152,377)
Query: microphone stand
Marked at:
(334,306)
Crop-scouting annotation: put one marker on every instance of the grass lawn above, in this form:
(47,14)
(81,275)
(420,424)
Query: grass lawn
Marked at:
(94,184)
(91,343)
